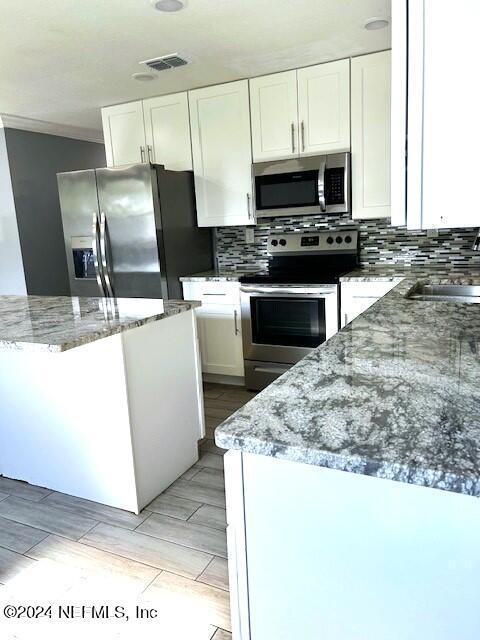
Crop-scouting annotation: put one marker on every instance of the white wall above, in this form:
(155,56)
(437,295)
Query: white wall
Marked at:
(12,277)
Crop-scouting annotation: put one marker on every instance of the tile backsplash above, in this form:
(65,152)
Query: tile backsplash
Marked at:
(380,243)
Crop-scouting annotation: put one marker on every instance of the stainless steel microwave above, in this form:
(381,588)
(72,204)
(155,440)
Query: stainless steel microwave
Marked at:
(299,186)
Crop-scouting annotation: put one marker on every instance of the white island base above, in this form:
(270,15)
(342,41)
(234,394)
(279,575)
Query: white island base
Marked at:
(319,554)
(115,421)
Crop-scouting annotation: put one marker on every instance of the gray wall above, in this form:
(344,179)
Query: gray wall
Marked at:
(35,159)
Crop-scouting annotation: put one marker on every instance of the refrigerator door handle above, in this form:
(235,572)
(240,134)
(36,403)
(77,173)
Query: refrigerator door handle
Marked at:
(96,262)
(103,254)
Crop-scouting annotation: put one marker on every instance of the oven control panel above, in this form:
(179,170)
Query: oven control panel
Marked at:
(326,241)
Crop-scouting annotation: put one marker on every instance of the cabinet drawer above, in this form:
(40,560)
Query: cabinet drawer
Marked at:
(214,293)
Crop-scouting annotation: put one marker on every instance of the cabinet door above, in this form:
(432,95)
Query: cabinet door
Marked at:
(451,107)
(222,154)
(220,340)
(371,136)
(124,134)
(167,131)
(324,107)
(353,307)
(274,112)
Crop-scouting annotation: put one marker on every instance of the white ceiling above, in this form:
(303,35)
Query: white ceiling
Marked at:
(60,60)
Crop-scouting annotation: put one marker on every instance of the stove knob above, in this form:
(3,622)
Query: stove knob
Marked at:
(348,239)
(274,243)
(283,242)
(339,239)
(330,240)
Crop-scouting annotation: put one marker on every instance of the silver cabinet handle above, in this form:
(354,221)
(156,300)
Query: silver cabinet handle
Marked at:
(321,185)
(293,137)
(214,294)
(235,318)
(302,128)
(142,153)
(103,254)
(249,207)
(150,153)
(96,262)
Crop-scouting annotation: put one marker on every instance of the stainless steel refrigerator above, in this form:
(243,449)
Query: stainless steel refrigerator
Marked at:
(131,231)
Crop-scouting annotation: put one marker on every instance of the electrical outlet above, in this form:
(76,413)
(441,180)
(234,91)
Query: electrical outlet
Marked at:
(432,233)
(249,235)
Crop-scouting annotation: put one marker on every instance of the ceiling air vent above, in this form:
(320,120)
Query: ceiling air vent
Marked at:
(163,63)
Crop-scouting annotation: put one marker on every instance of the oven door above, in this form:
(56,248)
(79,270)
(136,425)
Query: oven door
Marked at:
(283,324)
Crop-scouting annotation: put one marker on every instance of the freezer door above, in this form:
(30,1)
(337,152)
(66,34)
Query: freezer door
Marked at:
(81,227)
(130,232)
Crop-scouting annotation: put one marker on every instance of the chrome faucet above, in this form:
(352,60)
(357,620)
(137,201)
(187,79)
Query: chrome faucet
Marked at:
(476,242)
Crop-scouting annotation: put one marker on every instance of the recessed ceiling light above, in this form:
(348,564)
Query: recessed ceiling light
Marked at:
(373,24)
(143,77)
(167,5)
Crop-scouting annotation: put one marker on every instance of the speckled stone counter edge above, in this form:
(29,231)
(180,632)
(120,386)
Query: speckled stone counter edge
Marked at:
(43,347)
(422,475)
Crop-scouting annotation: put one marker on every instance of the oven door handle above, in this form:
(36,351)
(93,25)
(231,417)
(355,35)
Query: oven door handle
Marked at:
(291,291)
(321,185)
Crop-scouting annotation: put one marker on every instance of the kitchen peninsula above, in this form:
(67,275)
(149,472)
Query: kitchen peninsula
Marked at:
(99,398)
(353,481)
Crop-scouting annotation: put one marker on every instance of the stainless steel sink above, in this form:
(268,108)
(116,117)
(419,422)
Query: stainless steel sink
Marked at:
(445,292)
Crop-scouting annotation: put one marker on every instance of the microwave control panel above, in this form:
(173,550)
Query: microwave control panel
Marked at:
(335,185)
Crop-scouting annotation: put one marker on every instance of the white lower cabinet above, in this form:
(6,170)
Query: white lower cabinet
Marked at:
(316,553)
(219,326)
(357,297)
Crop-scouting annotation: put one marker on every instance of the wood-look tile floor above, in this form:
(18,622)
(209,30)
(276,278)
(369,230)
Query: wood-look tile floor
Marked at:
(173,553)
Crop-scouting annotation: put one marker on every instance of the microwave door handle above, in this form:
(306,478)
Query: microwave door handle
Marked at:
(321,186)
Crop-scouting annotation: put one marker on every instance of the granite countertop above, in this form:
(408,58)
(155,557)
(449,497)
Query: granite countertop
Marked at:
(216,275)
(395,394)
(388,272)
(54,324)
(368,273)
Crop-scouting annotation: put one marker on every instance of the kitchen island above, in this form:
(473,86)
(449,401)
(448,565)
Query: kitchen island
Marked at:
(99,398)
(353,482)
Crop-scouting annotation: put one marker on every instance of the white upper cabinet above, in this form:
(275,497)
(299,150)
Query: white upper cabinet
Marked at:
(167,131)
(324,107)
(371,136)
(274,112)
(442,111)
(451,123)
(222,154)
(124,134)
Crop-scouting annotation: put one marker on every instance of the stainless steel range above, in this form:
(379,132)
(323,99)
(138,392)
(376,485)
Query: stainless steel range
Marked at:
(294,306)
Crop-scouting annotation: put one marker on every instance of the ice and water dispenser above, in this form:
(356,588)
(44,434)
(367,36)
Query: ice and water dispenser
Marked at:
(83,259)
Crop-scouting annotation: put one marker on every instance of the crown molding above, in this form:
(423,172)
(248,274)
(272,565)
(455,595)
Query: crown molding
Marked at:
(8,121)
